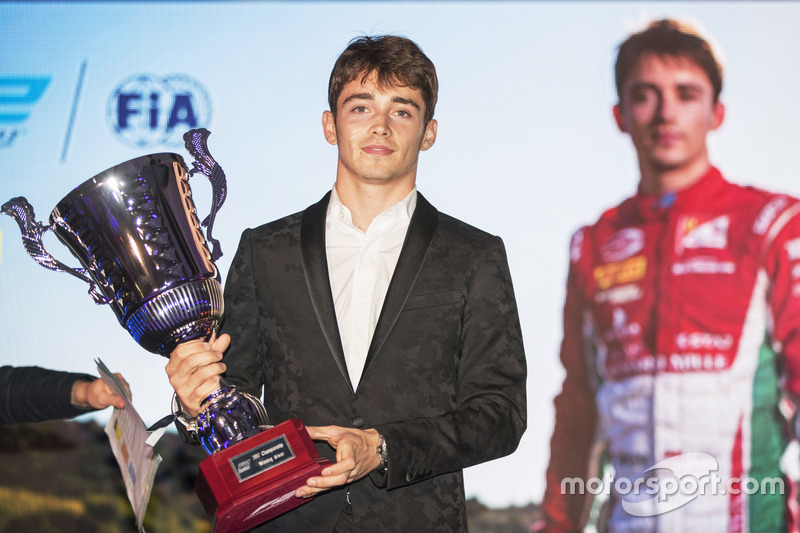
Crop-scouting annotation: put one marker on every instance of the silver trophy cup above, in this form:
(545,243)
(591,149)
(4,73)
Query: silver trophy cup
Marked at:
(134,229)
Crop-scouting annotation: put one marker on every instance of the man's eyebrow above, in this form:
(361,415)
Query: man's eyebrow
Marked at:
(690,86)
(358,96)
(639,85)
(636,86)
(407,101)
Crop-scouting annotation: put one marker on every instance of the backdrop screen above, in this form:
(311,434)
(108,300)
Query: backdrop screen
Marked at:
(527,148)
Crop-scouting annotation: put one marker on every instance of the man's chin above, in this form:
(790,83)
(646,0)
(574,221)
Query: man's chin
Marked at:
(667,163)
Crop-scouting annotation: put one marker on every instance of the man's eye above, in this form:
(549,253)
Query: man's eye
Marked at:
(360,109)
(688,96)
(403,113)
(639,97)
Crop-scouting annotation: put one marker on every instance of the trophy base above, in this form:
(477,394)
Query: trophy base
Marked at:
(254,480)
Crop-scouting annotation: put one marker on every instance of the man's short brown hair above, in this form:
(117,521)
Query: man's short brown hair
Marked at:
(397,61)
(671,38)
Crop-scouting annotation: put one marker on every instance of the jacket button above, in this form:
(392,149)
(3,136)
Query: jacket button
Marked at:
(357,421)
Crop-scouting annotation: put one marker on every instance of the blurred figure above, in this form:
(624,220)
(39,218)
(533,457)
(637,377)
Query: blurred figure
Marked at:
(33,394)
(681,322)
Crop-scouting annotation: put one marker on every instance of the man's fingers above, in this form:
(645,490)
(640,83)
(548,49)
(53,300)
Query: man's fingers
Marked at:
(125,385)
(220,344)
(188,348)
(318,432)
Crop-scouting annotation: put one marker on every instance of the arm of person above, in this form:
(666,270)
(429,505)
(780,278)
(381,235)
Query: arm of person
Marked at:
(782,263)
(571,445)
(34,394)
(491,414)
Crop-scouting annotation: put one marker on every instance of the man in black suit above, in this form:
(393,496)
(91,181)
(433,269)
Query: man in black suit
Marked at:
(389,328)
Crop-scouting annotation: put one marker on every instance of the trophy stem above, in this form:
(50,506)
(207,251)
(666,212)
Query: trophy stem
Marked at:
(229,416)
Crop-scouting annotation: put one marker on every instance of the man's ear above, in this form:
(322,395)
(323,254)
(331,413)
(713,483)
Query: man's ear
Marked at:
(429,137)
(719,115)
(329,127)
(619,119)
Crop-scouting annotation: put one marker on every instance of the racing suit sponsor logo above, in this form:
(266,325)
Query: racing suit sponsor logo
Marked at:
(627,334)
(698,340)
(695,233)
(575,246)
(692,361)
(793,249)
(676,362)
(796,271)
(622,245)
(703,265)
(768,215)
(619,295)
(622,329)
(631,269)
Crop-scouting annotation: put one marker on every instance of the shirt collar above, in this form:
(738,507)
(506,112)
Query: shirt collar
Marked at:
(405,206)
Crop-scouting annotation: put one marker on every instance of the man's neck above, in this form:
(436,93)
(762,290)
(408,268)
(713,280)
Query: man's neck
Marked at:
(366,201)
(659,181)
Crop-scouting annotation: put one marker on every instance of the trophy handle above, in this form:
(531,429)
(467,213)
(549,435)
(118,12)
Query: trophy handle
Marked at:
(195,141)
(32,231)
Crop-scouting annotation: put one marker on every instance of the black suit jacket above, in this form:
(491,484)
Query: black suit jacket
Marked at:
(444,379)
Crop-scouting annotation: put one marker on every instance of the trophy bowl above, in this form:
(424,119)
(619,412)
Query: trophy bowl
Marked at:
(134,229)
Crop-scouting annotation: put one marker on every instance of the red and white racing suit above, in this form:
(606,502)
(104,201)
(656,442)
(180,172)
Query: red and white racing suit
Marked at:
(681,329)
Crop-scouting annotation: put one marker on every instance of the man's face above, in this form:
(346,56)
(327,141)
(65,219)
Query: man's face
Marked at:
(379,131)
(668,108)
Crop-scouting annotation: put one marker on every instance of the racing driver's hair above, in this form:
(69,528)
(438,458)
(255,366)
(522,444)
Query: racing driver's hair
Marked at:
(667,38)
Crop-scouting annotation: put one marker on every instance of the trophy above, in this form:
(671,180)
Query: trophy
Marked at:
(135,231)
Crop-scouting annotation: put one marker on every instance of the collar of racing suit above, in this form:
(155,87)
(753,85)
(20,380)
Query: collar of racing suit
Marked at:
(700,194)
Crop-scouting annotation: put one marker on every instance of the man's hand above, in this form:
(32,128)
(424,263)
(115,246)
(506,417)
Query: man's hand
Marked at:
(97,394)
(356,456)
(194,368)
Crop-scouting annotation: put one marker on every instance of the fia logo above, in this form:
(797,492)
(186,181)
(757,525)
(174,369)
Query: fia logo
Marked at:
(147,110)
(18,94)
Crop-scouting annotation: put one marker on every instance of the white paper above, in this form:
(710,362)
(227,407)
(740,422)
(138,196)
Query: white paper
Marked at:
(137,459)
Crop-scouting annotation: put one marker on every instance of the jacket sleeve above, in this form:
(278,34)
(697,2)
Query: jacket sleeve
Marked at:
(571,446)
(33,394)
(242,322)
(490,414)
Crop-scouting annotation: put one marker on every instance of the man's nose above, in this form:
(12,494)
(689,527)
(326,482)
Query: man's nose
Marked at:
(380,125)
(667,106)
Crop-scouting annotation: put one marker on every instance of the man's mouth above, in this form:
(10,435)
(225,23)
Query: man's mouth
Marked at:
(377,149)
(665,138)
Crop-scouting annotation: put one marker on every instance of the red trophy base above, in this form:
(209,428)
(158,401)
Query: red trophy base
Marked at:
(254,480)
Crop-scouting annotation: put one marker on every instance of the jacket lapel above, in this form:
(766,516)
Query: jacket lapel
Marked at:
(315,265)
(418,240)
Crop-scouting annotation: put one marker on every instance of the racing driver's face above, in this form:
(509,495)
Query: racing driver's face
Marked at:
(667,106)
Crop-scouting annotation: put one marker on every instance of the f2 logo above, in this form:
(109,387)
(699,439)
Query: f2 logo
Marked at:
(18,94)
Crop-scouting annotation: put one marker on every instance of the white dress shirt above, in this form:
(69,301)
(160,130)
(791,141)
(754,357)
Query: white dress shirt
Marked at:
(360,267)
